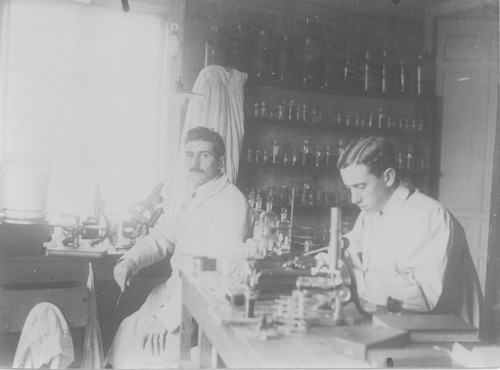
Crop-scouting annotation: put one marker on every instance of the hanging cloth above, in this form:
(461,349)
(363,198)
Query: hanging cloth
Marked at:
(93,354)
(45,339)
(222,110)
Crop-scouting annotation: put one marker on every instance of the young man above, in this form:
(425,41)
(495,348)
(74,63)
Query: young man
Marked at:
(215,218)
(404,244)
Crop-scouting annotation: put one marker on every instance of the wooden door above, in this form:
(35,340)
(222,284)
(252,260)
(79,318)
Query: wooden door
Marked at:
(467,87)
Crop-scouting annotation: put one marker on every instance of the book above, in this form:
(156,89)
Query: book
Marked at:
(85,252)
(430,327)
(356,341)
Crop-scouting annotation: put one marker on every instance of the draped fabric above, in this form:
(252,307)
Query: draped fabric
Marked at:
(222,109)
(45,340)
(93,354)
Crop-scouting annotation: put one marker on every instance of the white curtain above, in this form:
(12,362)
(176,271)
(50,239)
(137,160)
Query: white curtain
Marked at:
(223,110)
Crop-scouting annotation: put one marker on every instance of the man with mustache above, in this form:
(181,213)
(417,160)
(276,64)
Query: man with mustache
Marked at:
(215,219)
(407,247)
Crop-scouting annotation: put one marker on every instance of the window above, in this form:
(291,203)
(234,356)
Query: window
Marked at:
(83,87)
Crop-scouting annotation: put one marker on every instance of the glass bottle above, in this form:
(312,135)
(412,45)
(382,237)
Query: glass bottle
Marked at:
(371,72)
(338,120)
(295,157)
(250,155)
(281,109)
(298,113)
(265,157)
(275,152)
(252,198)
(257,155)
(388,70)
(318,156)
(406,82)
(328,156)
(263,54)
(285,59)
(286,158)
(306,155)
(263,109)
(284,231)
(290,112)
(269,221)
(349,74)
(309,61)
(425,78)
(410,157)
(380,118)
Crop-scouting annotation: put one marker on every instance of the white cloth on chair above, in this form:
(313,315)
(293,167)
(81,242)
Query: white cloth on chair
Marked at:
(45,339)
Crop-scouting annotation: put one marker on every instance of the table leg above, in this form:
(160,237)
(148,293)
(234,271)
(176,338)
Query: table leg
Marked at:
(186,330)
(220,363)
(205,351)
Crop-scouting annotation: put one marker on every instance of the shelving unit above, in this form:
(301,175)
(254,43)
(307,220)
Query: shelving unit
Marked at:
(305,99)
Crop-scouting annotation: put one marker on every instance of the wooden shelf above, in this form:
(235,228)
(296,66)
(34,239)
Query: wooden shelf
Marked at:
(322,169)
(259,123)
(256,83)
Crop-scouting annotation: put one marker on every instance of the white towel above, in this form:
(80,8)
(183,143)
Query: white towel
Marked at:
(45,339)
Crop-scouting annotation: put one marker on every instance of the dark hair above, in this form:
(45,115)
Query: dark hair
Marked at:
(207,134)
(375,152)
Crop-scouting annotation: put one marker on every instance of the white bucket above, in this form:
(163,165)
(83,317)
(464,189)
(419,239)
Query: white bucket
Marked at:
(25,188)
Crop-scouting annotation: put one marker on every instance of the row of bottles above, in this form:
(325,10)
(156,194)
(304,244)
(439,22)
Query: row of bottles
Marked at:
(300,112)
(306,61)
(409,156)
(308,155)
(305,196)
(381,120)
(285,109)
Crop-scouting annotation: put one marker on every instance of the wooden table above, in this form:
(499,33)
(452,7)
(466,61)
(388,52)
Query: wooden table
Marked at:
(239,346)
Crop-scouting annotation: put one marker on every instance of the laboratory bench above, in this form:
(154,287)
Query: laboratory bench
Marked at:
(227,337)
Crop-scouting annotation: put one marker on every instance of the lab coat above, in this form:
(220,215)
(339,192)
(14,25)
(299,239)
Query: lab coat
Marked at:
(415,251)
(213,222)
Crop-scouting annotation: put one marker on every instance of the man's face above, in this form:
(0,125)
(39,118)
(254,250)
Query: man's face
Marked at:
(201,162)
(367,191)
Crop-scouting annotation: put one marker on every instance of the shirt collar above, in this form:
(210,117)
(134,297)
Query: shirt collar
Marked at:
(203,188)
(397,198)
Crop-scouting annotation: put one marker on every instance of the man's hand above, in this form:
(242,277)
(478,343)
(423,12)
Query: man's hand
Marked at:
(123,272)
(155,338)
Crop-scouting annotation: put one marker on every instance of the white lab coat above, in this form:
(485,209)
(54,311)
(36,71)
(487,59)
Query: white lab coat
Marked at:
(414,250)
(214,220)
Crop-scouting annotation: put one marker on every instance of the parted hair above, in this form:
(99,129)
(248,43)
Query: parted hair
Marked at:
(375,152)
(207,134)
